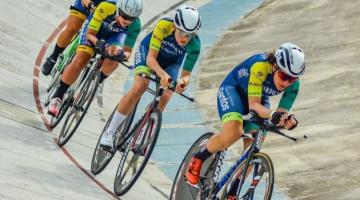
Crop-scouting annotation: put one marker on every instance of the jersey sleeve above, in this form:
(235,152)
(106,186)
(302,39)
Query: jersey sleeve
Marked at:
(192,54)
(289,96)
(258,74)
(162,29)
(132,34)
(103,10)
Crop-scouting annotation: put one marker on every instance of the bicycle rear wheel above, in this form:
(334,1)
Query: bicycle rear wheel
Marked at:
(82,100)
(101,158)
(181,190)
(138,151)
(259,182)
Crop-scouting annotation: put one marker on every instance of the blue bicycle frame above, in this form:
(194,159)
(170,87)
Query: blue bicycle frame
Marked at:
(252,148)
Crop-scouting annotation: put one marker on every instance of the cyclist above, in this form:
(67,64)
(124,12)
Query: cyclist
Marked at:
(78,13)
(248,86)
(172,44)
(119,25)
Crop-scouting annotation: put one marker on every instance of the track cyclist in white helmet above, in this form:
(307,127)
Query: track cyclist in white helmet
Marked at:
(248,87)
(171,47)
(114,26)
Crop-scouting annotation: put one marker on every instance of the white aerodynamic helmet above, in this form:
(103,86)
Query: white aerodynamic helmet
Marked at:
(290,59)
(131,8)
(187,19)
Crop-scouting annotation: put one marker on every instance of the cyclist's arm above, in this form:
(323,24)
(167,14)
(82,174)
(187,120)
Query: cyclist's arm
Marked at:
(153,63)
(91,36)
(258,73)
(131,36)
(288,98)
(162,29)
(103,10)
(185,76)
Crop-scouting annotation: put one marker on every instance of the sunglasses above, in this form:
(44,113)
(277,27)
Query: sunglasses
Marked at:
(125,16)
(182,33)
(285,77)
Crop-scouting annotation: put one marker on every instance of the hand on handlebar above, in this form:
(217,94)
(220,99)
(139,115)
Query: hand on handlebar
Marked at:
(101,45)
(165,80)
(291,122)
(278,118)
(180,86)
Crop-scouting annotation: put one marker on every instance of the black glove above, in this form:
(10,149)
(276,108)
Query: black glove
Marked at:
(100,45)
(121,54)
(292,117)
(276,117)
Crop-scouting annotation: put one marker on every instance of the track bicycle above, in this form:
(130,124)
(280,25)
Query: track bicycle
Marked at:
(135,145)
(254,170)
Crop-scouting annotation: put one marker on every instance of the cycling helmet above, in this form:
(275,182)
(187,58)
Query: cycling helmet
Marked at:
(131,8)
(290,59)
(187,19)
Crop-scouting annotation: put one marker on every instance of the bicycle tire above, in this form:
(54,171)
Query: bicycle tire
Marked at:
(99,154)
(264,160)
(180,189)
(95,76)
(54,121)
(119,188)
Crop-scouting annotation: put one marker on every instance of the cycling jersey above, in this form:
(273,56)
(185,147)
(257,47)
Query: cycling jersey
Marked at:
(79,10)
(104,23)
(251,78)
(162,39)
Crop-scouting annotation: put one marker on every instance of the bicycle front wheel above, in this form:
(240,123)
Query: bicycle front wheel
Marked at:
(101,158)
(82,100)
(181,190)
(137,152)
(259,179)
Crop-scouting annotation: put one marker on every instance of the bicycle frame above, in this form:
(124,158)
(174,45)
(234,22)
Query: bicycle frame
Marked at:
(246,156)
(153,105)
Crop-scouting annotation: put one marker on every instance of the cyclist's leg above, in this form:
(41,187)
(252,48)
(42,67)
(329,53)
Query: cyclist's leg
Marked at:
(74,21)
(249,127)
(83,54)
(128,101)
(173,71)
(230,107)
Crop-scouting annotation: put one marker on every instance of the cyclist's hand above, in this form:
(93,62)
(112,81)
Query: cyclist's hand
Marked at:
(180,86)
(291,122)
(100,45)
(278,118)
(165,80)
(90,6)
(112,50)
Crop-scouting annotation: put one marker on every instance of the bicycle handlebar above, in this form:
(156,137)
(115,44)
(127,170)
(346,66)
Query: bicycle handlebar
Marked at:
(254,117)
(171,87)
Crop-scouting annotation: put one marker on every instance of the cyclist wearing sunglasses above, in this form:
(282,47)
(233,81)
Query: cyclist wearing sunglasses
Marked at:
(114,27)
(79,10)
(171,46)
(249,86)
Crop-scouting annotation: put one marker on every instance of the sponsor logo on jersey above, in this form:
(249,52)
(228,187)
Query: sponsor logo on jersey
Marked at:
(171,48)
(223,100)
(243,73)
(270,91)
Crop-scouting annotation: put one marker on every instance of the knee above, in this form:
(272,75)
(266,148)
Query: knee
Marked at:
(139,89)
(72,29)
(230,137)
(78,64)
